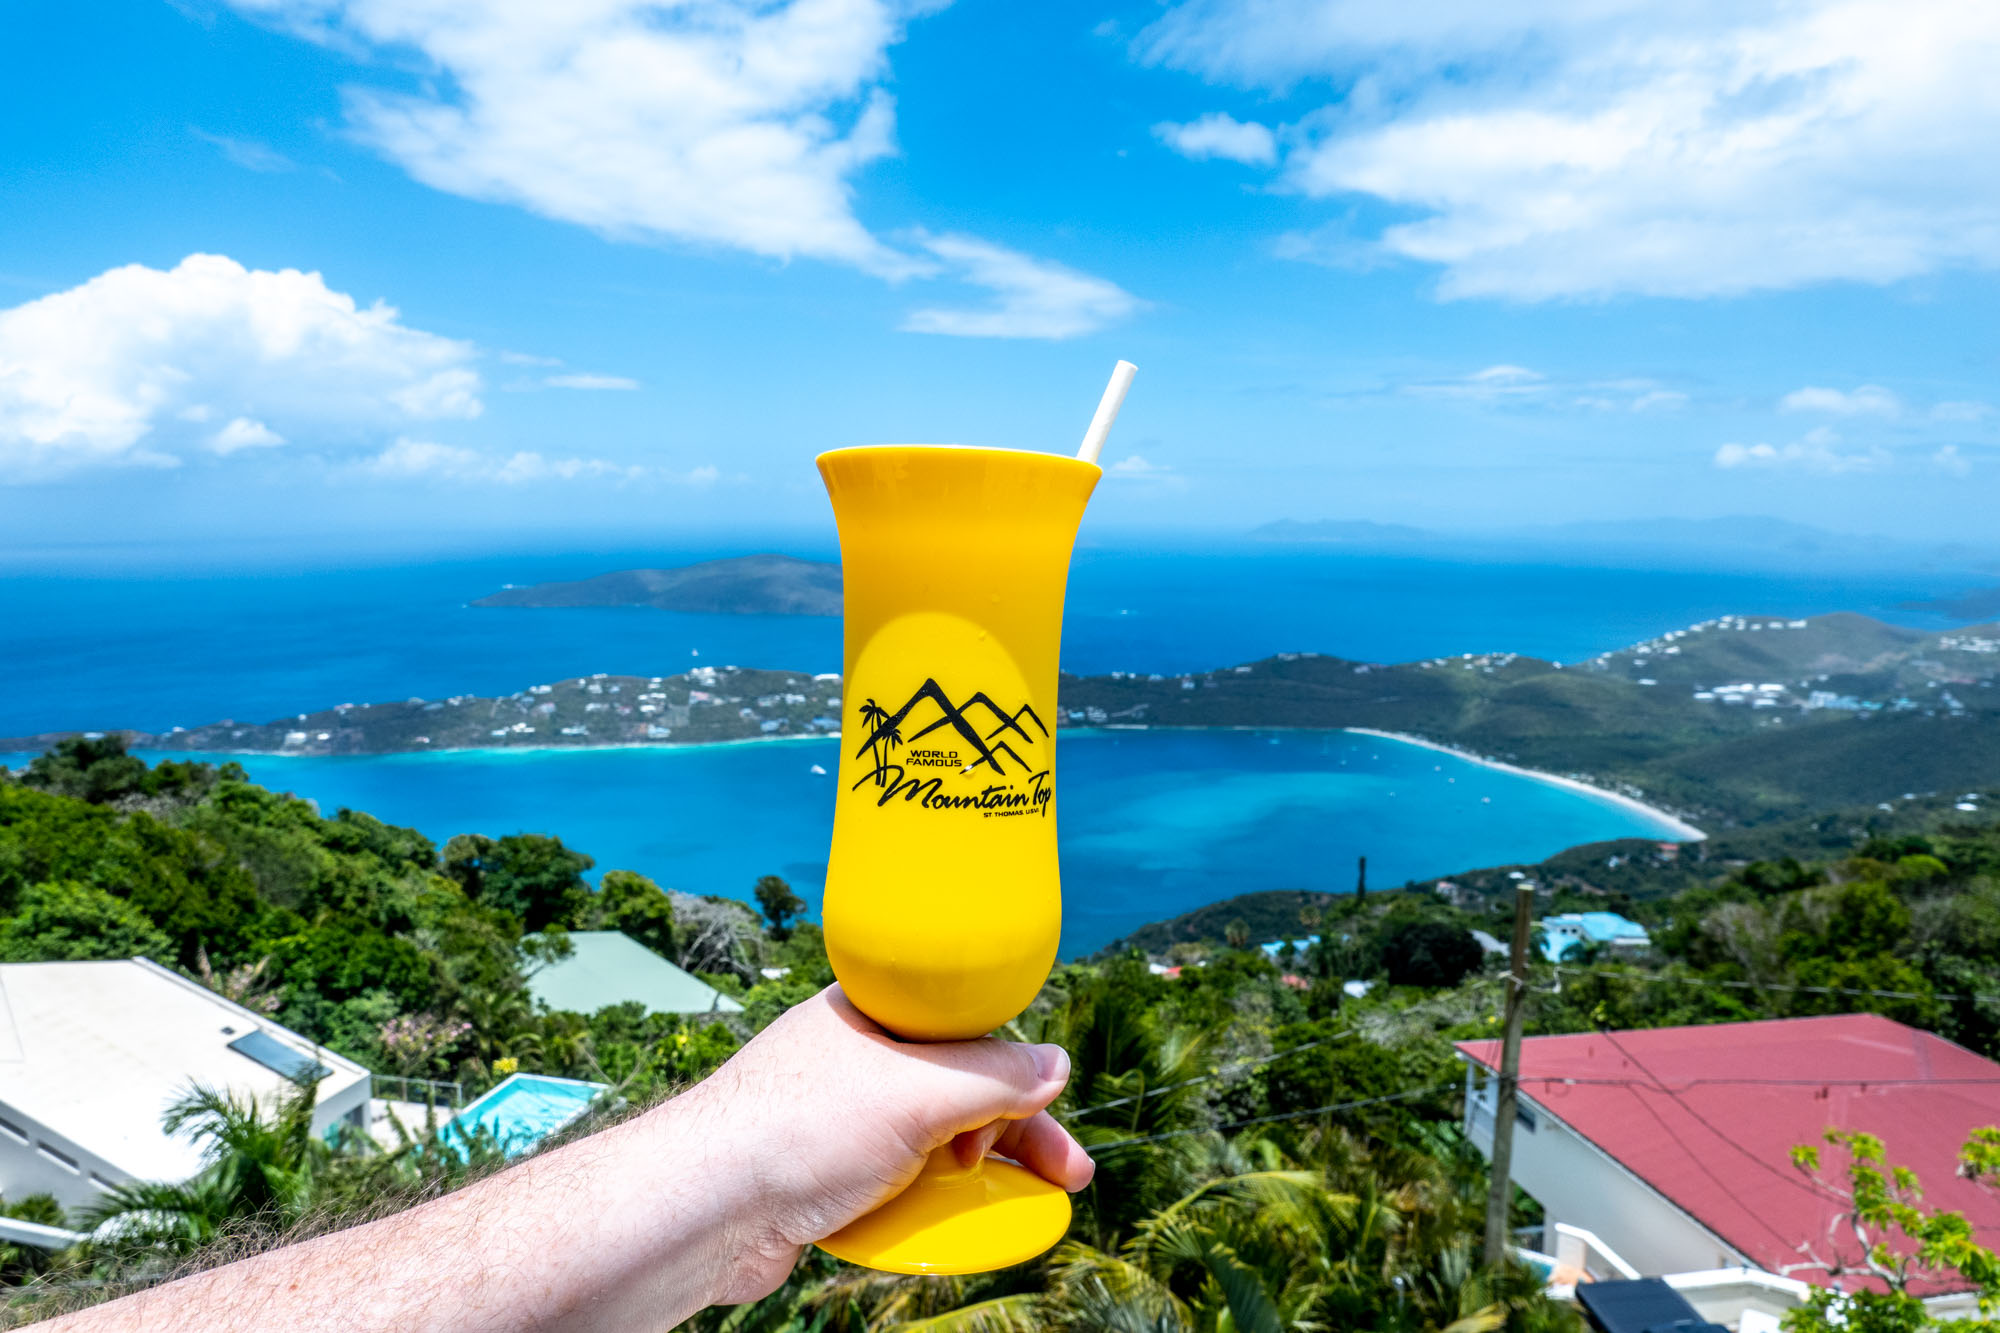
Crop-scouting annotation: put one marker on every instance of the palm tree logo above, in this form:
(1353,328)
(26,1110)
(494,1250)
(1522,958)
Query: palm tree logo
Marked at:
(881,738)
(885,730)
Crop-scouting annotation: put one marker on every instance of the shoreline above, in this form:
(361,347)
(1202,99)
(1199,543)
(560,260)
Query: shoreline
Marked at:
(1688,831)
(503,749)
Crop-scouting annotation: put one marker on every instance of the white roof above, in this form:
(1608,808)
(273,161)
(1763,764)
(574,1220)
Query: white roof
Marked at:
(97,1052)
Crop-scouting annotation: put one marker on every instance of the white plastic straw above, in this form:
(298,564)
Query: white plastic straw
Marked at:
(1107,411)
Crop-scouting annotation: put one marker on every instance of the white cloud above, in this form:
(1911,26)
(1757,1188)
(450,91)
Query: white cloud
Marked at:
(1961,411)
(723,122)
(1220,135)
(243,433)
(1813,453)
(449,393)
(1032,298)
(1949,459)
(1868,400)
(1138,468)
(1586,148)
(409,460)
(1511,386)
(123,368)
(730,123)
(587,381)
(246,153)
(1493,384)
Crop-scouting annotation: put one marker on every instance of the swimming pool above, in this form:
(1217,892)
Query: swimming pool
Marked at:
(522,1110)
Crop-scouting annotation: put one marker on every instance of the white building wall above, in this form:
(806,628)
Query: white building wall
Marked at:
(352,1104)
(34,1159)
(1577,1183)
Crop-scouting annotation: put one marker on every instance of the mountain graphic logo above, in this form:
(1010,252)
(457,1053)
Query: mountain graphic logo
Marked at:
(885,729)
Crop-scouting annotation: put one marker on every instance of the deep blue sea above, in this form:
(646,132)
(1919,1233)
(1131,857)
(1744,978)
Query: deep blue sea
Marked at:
(154,648)
(1153,823)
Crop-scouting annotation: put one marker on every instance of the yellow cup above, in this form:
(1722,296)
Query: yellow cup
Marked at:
(943,902)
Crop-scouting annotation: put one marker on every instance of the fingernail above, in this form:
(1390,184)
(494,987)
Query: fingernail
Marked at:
(1052,1064)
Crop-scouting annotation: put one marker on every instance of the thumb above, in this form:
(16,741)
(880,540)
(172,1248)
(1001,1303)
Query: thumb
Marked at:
(965,1085)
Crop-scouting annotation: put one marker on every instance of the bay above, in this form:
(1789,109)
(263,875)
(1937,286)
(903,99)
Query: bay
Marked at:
(1153,823)
(153,646)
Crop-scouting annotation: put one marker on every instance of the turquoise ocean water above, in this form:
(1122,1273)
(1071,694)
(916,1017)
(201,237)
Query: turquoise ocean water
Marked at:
(1154,823)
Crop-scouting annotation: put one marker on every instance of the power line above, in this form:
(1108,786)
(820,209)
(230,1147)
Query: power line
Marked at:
(1271,1119)
(1656,1084)
(1650,1083)
(1701,1162)
(1252,1062)
(1771,985)
(1233,1067)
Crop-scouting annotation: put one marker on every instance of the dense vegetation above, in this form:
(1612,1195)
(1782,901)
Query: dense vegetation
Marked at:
(1275,1153)
(410,958)
(1855,711)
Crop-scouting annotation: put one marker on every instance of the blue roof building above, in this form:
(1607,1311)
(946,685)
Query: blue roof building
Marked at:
(1275,947)
(609,967)
(1571,930)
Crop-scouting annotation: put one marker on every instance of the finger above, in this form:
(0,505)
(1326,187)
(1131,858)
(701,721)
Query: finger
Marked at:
(1048,1150)
(972,1145)
(967,1084)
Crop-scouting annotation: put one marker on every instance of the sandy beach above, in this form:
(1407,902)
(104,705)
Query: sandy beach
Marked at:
(1684,830)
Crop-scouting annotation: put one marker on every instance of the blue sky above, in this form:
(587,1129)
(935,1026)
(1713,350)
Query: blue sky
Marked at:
(360,271)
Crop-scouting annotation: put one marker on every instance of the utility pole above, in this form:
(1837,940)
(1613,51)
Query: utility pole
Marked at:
(1499,1201)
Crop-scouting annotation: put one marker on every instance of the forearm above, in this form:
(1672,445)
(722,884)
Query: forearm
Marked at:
(630,1229)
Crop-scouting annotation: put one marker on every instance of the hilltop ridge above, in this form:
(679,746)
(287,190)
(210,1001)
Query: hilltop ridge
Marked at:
(777,585)
(1739,719)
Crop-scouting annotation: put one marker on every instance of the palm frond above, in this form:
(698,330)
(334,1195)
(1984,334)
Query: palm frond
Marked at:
(1003,1314)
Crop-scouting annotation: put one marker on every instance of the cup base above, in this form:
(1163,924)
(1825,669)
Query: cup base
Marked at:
(957,1220)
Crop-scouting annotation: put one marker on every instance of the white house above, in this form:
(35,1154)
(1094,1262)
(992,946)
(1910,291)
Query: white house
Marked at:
(1666,1152)
(92,1054)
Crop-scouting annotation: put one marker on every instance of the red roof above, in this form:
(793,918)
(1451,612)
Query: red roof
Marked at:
(1708,1117)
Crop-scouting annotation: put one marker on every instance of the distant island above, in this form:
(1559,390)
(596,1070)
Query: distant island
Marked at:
(1734,721)
(1732,542)
(1979,604)
(755,585)
(1347,532)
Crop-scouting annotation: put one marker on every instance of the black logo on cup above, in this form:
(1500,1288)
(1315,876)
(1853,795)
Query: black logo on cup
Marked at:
(1027,790)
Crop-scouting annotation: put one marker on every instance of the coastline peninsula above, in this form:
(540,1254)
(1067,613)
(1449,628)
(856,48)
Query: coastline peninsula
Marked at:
(1732,721)
(751,585)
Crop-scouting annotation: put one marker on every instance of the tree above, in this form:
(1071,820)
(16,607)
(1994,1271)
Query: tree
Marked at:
(1429,953)
(65,921)
(632,903)
(531,875)
(260,1166)
(18,1263)
(1898,1241)
(1767,879)
(415,1041)
(463,856)
(780,904)
(873,717)
(1237,933)
(91,768)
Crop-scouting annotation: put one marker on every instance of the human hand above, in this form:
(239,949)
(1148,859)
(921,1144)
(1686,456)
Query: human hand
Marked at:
(703,1200)
(823,1116)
